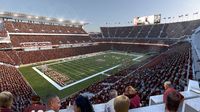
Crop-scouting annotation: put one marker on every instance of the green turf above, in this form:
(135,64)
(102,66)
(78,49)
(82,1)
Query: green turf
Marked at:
(76,70)
(82,68)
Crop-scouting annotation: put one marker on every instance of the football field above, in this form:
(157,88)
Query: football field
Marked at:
(71,75)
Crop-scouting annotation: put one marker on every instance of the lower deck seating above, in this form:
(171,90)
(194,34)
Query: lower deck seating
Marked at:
(11,80)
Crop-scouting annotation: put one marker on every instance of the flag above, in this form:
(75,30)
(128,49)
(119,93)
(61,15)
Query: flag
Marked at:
(180,16)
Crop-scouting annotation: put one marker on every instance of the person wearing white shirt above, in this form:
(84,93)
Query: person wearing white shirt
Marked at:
(109,106)
(53,103)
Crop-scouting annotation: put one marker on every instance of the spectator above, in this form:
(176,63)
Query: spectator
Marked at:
(173,101)
(36,105)
(168,89)
(6,100)
(109,106)
(121,103)
(82,104)
(53,103)
(132,94)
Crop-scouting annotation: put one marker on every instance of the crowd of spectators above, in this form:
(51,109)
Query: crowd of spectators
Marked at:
(3,33)
(167,30)
(59,78)
(136,41)
(23,27)
(144,31)
(27,57)
(11,80)
(5,45)
(121,103)
(155,31)
(19,40)
(4,58)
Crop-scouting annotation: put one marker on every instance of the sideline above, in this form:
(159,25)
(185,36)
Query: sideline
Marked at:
(79,81)
(67,86)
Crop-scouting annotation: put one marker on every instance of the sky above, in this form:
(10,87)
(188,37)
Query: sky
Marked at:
(99,12)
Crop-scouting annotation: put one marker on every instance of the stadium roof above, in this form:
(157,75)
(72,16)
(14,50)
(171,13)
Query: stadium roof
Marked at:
(28,17)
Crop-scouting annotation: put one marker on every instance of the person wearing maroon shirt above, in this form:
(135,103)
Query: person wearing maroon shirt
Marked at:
(168,89)
(36,105)
(6,100)
(132,94)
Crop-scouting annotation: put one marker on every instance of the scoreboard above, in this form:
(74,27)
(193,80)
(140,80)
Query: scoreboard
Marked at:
(147,20)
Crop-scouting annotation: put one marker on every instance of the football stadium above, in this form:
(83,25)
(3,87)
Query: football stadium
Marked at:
(52,63)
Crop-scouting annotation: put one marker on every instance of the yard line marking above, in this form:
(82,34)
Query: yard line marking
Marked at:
(67,86)
(79,81)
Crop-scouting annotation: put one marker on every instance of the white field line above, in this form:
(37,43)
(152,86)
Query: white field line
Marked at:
(138,58)
(47,78)
(79,81)
(68,59)
(135,59)
(122,53)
